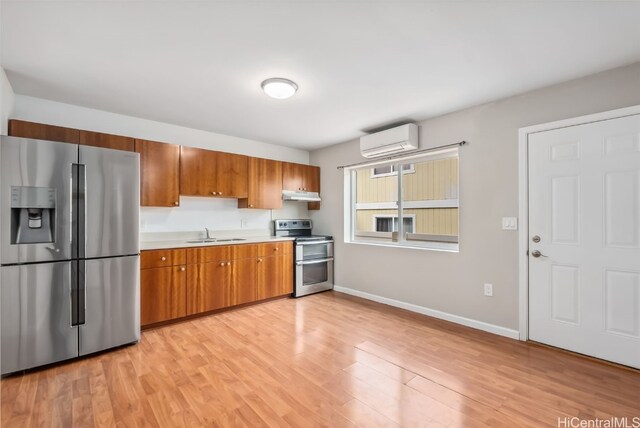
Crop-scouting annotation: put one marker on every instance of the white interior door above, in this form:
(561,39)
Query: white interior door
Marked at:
(584,205)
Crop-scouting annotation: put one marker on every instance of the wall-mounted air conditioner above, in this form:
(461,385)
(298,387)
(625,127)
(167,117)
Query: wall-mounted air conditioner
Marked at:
(400,139)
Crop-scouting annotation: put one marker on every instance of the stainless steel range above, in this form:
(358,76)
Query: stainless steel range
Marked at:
(313,265)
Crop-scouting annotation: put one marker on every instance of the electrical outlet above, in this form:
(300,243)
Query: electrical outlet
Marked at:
(509,223)
(244,223)
(488,290)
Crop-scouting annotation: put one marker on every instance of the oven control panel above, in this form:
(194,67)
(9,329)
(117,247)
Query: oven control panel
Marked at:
(292,224)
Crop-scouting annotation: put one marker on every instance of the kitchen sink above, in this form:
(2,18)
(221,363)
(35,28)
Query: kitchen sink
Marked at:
(208,241)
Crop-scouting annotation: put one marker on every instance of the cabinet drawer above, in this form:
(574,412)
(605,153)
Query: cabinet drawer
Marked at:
(161,258)
(208,254)
(274,248)
(245,251)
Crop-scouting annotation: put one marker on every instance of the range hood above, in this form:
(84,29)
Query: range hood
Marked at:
(293,195)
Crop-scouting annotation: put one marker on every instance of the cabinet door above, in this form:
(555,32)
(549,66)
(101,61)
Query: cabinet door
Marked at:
(231,175)
(159,173)
(198,172)
(162,294)
(292,176)
(243,281)
(107,141)
(208,287)
(274,276)
(41,131)
(311,178)
(264,185)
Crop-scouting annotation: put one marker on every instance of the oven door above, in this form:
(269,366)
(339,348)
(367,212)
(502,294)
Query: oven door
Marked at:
(313,250)
(313,276)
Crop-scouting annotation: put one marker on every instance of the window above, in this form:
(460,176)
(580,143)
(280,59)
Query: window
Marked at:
(425,197)
(384,223)
(386,170)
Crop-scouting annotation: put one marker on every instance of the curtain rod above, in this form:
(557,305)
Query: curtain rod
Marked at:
(402,156)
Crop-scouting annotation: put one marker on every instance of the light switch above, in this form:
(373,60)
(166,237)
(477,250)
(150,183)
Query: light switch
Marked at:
(509,223)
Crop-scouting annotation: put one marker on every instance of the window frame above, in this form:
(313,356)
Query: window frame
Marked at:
(439,243)
(394,219)
(410,170)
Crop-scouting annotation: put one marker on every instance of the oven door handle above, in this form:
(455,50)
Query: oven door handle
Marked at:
(314,242)
(313,262)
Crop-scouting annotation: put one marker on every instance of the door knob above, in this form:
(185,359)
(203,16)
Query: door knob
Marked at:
(537,254)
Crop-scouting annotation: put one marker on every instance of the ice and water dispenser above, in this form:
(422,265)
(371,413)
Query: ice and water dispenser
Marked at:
(33,214)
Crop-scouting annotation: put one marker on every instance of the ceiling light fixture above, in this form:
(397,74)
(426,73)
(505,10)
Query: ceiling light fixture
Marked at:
(279,88)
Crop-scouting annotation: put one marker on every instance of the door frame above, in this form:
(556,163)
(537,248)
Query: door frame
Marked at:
(523,196)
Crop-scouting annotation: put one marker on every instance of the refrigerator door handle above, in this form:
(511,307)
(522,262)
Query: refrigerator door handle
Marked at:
(82,210)
(73,267)
(74,210)
(82,292)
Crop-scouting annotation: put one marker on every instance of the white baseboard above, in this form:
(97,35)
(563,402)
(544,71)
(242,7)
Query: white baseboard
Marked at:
(480,325)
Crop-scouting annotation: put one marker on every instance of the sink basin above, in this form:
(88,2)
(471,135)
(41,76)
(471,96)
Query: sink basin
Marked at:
(207,241)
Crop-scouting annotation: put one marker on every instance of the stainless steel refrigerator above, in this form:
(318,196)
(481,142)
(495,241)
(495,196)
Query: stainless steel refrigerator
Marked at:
(69,251)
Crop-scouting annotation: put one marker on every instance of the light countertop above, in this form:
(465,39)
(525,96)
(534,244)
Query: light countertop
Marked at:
(178,239)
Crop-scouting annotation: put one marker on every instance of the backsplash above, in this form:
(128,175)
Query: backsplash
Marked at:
(215,213)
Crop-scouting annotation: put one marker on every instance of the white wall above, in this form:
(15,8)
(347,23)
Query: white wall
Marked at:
(6,101)
(193,213)
(453,282)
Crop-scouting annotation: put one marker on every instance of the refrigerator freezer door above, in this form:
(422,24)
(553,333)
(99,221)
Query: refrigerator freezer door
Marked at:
(35,311)
(32,172)
(112,295)
(112,203)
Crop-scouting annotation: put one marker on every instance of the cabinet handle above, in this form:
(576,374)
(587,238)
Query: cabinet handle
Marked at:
(228,263)
(163,258)
(275,249)
(219,193)
(304,188)
(221,263)
(259,260)
(213,193)
(182,269)
(176,203)
(250,205)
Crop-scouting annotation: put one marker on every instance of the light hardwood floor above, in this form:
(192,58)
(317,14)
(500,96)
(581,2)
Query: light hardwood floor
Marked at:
(323,360)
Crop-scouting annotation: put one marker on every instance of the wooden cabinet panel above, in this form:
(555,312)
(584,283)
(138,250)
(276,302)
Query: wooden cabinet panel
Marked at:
(162,294)
(274,248)
(264,185)
(244,251)
(292,176)
(107,141)
(231,175)
(274,276)
(209,254)
(161,258)
(41,131)
(208,287)
(198,172)
(210,173)
(311,182)
(159,173)
(243,281)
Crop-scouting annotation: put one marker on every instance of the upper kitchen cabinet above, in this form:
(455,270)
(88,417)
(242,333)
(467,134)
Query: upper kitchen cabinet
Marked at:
(159,173)
(264,185)
(41,131)
(299,177)
(107,141)
(210,173)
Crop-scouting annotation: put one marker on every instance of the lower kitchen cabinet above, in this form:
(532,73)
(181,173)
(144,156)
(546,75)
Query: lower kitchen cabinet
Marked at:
(163,294)
(214,277)
(274,276)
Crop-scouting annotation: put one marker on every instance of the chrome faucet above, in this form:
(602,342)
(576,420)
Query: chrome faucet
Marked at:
(208,232)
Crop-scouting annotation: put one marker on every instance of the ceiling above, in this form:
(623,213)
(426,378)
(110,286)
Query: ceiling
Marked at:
(359,65)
